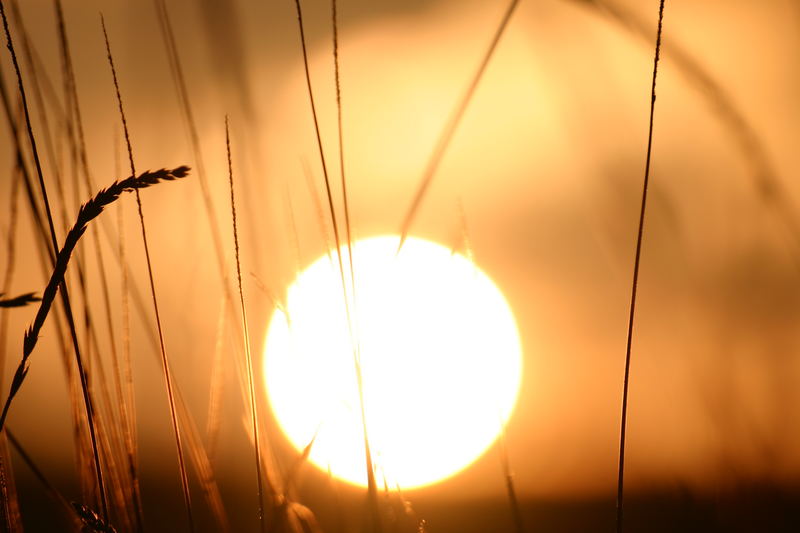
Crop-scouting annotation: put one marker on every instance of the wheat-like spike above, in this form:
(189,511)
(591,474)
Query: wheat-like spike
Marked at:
(88,211)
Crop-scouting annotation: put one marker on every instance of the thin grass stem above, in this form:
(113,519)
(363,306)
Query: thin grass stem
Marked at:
(214,417)
(162,345)
(446,136)
(51,489)
(250,379)
(635,283)
(371,487)
(345,202)
(122,400)
(64,292)
(88,212)
(8,489)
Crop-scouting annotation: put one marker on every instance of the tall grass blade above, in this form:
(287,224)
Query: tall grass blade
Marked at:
(251,387)
(51,489)
(451,126)
(19,301)
(185,103)
(348,232)
(184,100)
(214,417)
(79,145)
(511,491)
(634,286)
(162,345)
(11,518)
(202,464)
(64,292)
(371,487)
(88,211)
(130,403)
(319,212)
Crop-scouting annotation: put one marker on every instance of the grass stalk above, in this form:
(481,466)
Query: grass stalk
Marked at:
(36,90)
(345,203)
(214,417)
(371,487)
(130,419)
(249,359)
(11,518)
(181,88)
(8,274)
(162,345)
(350,241)
(741,130)
(202,464)
(635,283)
(51,489)
(511,491)
(72,97)
(88,211)
(46,261)
(452,124)
(74,130)
(27,181)
(63,292)
(19,301)
(194,139)
(319,212)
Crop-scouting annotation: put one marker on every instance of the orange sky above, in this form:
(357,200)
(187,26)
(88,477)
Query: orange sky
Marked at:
(544,173)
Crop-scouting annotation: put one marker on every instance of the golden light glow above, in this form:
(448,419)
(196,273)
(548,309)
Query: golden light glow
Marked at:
(439,356)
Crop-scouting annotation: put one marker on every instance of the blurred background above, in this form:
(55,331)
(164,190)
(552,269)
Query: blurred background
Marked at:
(541,183)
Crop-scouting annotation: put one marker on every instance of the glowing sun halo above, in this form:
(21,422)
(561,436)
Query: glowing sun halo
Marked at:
(439,355)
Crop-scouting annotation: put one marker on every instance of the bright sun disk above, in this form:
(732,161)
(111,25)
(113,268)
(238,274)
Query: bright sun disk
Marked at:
(439,355)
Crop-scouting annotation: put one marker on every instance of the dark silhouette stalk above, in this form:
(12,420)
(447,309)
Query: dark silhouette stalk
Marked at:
(51,489)
(162,345)
(88,211)
(77,140)
(8,275)
(64,292)
(511,491)
(19,301)
(722,105)
(250,380)
(636,262)
(11,518)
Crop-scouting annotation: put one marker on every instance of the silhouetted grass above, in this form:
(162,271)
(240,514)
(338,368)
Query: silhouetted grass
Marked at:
(63,292)
(250,371)
(19,301)
(162,345)
(635,284)
(278,509)
(446,136)
(87,213)
(374,519)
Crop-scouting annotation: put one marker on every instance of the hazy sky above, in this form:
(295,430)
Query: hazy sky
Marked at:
(543,176)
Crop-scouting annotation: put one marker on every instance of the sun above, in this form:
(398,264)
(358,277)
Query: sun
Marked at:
(436,347)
